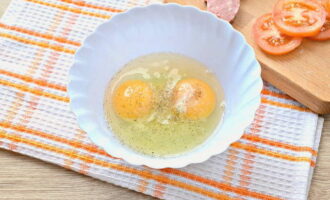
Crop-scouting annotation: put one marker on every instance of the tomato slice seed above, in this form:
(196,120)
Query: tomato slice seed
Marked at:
(270,39)
(324,34)
(300,18)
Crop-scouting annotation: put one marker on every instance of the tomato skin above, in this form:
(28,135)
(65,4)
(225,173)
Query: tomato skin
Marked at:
(302,18)
(324,34)
(326,4)
(270,40)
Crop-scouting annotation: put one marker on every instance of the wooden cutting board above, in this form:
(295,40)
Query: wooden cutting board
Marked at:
(304,73)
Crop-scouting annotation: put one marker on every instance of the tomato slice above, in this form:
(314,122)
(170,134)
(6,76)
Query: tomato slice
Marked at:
(324,34)
(301,18)
(326,5)
(270,39)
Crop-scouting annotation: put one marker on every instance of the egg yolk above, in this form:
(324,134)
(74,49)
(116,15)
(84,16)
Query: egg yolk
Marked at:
(133,99)
(194,98)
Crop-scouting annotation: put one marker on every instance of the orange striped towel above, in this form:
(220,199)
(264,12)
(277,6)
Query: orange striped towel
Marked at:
(38,38)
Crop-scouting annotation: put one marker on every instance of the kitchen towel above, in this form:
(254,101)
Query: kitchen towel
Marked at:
(38,38)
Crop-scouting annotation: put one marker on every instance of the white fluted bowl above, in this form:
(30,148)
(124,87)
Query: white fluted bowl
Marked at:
(165,28)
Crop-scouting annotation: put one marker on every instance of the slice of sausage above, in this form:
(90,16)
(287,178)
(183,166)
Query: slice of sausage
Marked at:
(225,9)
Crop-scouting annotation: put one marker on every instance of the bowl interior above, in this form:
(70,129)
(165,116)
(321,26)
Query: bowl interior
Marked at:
(165,28)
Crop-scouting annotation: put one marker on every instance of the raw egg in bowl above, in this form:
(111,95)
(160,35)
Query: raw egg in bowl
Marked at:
(164,85)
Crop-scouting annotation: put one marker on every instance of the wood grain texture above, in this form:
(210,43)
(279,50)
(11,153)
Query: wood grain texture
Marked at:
(304,73)
(320,188)
(22,177)
(201,4)
(3,5)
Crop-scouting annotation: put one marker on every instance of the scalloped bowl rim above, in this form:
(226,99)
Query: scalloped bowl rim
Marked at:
(157,163)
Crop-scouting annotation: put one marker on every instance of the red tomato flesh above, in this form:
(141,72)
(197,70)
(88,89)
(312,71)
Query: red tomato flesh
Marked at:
(270,39)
